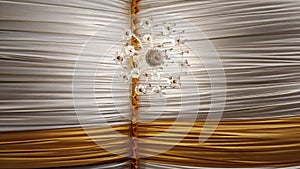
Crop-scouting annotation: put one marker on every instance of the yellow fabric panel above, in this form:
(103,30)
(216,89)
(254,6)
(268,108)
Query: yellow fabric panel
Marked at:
(242,143)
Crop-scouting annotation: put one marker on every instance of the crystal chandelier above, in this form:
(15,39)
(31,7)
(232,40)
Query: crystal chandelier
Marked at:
(160,47)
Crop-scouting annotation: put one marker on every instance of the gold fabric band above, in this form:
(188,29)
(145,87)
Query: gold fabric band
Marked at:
(243,143)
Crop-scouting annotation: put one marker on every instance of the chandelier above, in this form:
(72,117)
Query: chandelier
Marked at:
(160,52)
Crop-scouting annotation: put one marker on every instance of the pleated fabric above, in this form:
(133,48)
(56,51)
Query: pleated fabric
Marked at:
(52,51)
(40,44)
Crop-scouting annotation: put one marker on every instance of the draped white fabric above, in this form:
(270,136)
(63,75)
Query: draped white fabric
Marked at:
(40,41)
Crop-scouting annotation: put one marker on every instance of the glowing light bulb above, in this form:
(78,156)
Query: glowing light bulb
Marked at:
(154,57)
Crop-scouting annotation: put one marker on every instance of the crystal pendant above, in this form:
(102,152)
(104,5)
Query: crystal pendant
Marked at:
(174,83)
(168,27)
(140,89)
(135,73)
(118,58)
(129,50)
(147,38)
(184,63)
(155,75)
(146,23)
(124,76)
(156,90)
(177,41)
(127,34)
